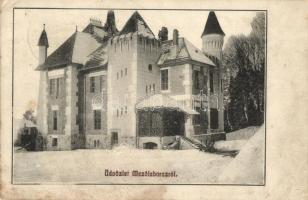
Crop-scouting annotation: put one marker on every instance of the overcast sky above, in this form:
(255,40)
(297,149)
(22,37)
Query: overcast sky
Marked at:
(60,24)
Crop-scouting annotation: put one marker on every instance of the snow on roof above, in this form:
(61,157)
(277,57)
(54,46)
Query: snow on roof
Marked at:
(98,58)
(163,101)
(137,24)
(184,51)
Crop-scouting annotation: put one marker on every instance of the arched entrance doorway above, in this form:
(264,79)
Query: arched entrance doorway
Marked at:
(150,145)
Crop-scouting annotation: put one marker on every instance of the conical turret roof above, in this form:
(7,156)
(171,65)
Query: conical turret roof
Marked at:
(212,25)
(43,41)
(110,25)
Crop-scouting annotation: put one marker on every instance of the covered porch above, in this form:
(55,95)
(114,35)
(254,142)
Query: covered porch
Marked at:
(160,119)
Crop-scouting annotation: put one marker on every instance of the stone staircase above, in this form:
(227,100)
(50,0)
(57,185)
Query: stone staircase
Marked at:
(195,144)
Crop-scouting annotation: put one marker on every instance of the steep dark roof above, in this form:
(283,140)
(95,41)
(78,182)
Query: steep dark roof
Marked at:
(43,41)
(74,50)
(212,25)
(136,23)
(63,54)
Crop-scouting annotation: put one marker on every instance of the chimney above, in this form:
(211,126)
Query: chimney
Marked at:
(175,37)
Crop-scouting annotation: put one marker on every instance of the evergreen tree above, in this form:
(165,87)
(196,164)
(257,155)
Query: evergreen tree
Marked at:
(244,63)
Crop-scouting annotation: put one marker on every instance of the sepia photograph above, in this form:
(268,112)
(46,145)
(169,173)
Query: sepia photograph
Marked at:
(139,96)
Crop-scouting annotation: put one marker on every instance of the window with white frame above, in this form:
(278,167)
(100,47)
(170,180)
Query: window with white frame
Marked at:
(54,87)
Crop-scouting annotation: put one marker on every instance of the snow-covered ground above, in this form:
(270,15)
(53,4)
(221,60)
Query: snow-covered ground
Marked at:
(88,166)
(248,165)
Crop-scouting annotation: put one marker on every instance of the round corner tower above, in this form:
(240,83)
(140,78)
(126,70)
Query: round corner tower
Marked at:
(212,42)
(42,97)
(43,46)
(212,37)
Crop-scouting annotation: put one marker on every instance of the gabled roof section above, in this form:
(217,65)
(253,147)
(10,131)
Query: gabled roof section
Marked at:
(196,54)
(98,58)
(74,50)
(212,25)
(96,30)
(184,52)
(137,24)
(43,41)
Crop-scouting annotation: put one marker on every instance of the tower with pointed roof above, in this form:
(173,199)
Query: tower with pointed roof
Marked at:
(133,74)
(43,46)
(212,37)
(212,42)
(99,88)
(42,98)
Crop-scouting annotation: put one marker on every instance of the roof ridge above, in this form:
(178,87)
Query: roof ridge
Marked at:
(184,42)
(72,46)
(135,17)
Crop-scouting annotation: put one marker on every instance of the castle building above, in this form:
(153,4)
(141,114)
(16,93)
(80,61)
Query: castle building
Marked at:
(103,87)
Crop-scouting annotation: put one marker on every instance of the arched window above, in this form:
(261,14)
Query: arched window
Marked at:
(150,67)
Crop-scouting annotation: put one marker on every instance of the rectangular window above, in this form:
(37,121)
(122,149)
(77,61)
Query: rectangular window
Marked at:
(125,71)
(92,84)
(214,118)
(52,86)
(101,81)
(154,88)
(97,119)
(196,119)
(58,87)
(196,80)
(211,82)
(221,85)
(54,142)
(164,79)
(77,119)
(55,120)
(146,89)
(114,138)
